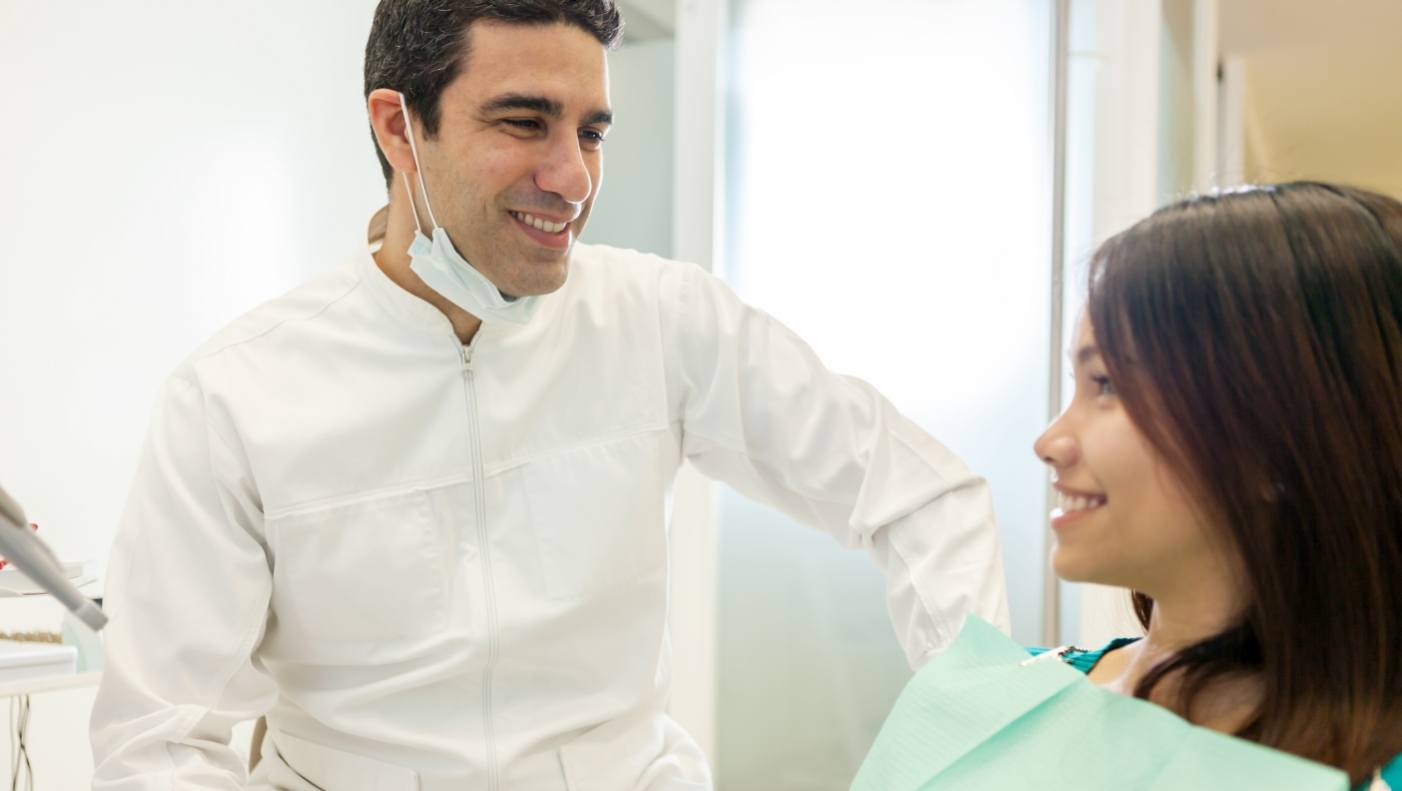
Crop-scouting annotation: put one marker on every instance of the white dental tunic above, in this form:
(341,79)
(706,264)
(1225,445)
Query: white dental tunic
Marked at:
(445,567)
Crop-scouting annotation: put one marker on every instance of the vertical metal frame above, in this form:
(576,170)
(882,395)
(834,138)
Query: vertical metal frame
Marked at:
(1061,34)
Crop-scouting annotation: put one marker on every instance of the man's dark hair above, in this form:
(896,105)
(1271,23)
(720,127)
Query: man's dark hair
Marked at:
(418,47)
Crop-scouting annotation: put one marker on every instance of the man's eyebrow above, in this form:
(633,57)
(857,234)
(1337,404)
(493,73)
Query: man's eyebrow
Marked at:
(542,105)
(520,101)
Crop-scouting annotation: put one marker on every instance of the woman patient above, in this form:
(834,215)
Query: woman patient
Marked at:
(1233,453)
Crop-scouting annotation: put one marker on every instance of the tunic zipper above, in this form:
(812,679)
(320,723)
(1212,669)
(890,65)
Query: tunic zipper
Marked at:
(484,552)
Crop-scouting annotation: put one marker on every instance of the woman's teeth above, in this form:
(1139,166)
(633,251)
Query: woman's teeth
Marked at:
(539,224)
(1071,502)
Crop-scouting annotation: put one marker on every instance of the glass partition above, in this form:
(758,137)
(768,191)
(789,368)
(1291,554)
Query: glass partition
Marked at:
(888,197)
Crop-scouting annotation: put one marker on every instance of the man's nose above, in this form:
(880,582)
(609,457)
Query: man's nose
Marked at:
(564,172)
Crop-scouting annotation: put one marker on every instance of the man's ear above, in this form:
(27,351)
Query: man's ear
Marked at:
(387,119)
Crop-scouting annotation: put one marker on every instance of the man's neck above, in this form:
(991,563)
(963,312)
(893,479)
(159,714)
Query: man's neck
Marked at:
(393,260)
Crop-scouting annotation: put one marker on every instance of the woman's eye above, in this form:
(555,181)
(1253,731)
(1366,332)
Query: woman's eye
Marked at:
(1102,385)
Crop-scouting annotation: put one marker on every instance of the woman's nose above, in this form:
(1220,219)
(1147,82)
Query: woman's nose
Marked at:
(1056,447)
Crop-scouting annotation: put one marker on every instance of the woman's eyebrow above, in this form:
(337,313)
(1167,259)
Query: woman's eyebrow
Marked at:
(1084,355)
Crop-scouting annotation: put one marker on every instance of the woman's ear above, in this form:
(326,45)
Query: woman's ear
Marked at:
(387,119)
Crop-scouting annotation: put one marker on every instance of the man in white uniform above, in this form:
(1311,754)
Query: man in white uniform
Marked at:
(415,511)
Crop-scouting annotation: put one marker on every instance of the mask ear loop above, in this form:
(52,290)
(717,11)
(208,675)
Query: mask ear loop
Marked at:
(414,210)
(414,149)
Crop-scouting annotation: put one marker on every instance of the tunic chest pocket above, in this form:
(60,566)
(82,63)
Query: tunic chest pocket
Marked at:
(365,571)
(599,514)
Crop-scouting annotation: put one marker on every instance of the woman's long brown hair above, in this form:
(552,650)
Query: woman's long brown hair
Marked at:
(1255,338)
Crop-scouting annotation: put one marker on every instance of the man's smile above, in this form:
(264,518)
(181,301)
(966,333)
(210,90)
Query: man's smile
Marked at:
(547,233)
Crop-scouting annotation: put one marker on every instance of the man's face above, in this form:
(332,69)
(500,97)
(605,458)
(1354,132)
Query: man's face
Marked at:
(516,164)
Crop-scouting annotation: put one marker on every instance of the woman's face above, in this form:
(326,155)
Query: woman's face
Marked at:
(1123,517)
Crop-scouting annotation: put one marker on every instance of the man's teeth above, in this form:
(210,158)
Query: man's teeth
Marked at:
(1070,502)
(538,223)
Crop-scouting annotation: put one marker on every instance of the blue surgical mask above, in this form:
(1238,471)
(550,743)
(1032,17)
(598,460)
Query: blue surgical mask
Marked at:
(439,264)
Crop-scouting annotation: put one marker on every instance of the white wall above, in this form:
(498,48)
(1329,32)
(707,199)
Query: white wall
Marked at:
(1177,101)
(169,165)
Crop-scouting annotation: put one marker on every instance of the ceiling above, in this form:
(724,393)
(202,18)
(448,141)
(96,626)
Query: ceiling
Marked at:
(1324,83)
(1323,88)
